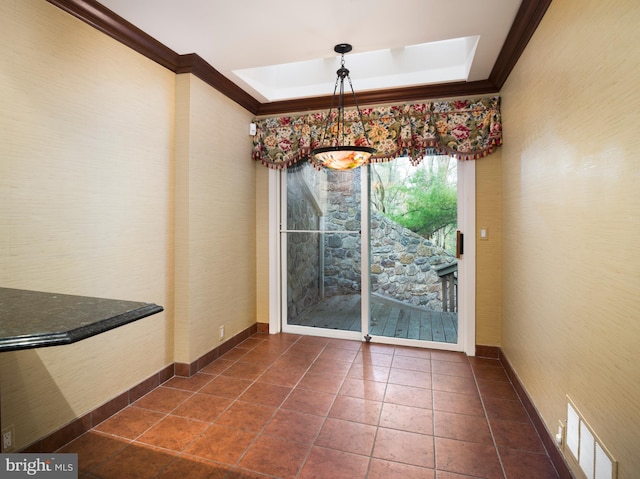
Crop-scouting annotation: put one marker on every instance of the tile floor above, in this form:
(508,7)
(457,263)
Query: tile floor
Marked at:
(288,406)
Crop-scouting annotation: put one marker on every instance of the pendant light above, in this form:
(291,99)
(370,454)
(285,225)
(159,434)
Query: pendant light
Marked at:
(333,153)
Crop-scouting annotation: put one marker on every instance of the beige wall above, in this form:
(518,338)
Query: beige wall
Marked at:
(488,251)
(571,220)
(215,219)
(90,191)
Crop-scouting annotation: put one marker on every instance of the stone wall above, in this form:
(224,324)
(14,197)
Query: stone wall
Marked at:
(304,254)
(403,263)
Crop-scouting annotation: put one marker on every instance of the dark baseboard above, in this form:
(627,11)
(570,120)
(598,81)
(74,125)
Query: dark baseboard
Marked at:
(491,352)
(79,426)
(547,438)
(188,370)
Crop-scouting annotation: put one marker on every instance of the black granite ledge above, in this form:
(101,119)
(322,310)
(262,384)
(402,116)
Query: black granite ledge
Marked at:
(33,319)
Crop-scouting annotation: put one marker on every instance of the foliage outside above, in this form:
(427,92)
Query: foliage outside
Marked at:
(421,198)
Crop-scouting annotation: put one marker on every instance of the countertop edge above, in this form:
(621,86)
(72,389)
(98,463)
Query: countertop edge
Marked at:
(17,343)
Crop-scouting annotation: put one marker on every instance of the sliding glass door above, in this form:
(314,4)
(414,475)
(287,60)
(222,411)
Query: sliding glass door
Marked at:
(370,253)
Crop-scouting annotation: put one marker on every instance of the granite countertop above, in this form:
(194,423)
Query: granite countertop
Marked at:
(32,319)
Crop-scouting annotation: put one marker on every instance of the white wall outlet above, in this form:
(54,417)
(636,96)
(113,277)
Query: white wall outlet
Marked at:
(221,332)
(7,438)
(560,435)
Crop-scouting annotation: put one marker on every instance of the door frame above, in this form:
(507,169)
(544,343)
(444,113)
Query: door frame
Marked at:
(466,266)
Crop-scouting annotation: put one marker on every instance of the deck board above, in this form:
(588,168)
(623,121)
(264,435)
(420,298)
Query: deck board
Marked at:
(389,318)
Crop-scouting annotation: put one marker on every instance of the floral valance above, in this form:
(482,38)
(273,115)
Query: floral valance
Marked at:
(465,129)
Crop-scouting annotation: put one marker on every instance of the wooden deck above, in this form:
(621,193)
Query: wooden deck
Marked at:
(389,318)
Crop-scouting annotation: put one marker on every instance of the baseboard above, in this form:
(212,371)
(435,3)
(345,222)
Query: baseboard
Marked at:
(79,426)
(491,352)
(558,460)
(189,369)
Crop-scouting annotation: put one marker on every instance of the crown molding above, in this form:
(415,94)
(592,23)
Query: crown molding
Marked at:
(95,14)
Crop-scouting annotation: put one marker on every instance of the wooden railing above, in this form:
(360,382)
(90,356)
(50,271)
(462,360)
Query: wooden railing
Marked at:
(449,276)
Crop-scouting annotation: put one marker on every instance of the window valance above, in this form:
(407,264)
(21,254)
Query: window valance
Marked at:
(465,129)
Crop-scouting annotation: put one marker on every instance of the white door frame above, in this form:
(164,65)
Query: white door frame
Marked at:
(466,265)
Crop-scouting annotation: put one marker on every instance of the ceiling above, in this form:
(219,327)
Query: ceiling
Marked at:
(278,54)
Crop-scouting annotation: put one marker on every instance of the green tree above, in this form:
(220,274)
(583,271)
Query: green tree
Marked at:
(422,199)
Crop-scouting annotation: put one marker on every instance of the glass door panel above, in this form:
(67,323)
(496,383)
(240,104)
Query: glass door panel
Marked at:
(321,245)
(413,264)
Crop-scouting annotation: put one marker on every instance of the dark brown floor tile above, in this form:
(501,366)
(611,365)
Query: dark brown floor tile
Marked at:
(477,362)
(185,467)
(410,378)
(275,456)
(451,368)
(174,433)
(163,399)
(313,341)
(281,375)
(457,403)
(382,469)
(374,359)
(413,352)
(345,344)
(454,384)
(412,363)
(311,402)
(261,356)
(338,354)
(361,388)
(369,372)
(407,418)
(517,435)
(325,463)
(94,449)
(294,360)
(251,342)
(226,386)
(409,396)
(330,366)
(217,366)
(221,444)
(347,436)
(239,473)
(505,410)
(203,407)
(355,409)
(266,394)
(497,389)
(139,462)
(244,370)
(193,384)
(294,426)
(246,416)
(130,422)
(491,373)
(376,348)
(452,475)
(462,427)
(526,465)
(234,354)
(326,383)
(478,460)
(404,447)
(450,356)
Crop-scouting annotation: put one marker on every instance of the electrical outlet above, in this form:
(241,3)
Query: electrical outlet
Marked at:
(221,332)
(7,438)
(560,435)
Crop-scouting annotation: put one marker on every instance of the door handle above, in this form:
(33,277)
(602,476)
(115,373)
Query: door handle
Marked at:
(459,244)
